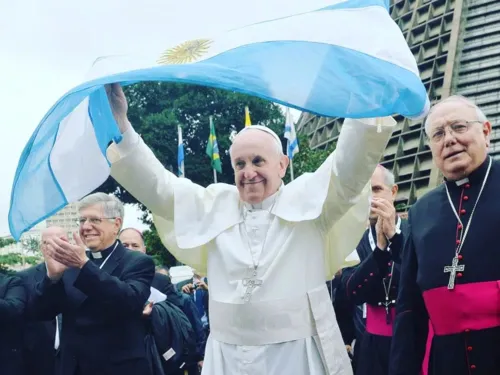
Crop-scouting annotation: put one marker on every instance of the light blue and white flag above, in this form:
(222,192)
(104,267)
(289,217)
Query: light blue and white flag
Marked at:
(292,144)
(337,58)
(180,153)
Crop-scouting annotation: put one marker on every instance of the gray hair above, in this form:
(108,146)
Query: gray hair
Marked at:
(460,98)
(111,205)
(389,179)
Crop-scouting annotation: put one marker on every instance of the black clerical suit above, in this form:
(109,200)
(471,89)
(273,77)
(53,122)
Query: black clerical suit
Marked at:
(39,336)
(103,329)
(466,318)
(12,304)
(373,283)
(186,304)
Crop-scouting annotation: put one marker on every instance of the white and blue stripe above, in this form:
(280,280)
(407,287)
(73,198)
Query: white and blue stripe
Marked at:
(321,61)
(292,144)
(180,153)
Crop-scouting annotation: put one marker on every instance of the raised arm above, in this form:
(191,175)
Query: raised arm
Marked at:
(359,148)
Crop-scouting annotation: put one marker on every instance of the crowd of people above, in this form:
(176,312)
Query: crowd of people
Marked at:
(423,297)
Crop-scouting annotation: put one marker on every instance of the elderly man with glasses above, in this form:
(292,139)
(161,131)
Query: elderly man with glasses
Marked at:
(100,288)
(450,273)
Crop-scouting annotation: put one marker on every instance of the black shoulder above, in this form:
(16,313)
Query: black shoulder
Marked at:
(136,256)
(428,200)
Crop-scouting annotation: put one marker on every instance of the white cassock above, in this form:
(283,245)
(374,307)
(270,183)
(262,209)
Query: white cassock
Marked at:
(298,238)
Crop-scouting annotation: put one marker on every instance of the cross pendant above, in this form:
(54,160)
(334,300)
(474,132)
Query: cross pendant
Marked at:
(453,271)
(387,304)
(250,284)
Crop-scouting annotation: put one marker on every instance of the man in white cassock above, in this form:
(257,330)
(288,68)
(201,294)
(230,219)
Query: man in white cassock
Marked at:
(267,248)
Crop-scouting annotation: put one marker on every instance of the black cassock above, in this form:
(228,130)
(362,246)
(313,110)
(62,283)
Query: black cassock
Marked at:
(466,318)
(103,330)
(12,304)
(374,284)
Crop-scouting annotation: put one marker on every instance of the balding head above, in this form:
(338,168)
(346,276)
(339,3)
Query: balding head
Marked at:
(132,239)
(258,162)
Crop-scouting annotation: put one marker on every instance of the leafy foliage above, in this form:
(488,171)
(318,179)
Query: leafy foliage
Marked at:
(31,244)
(308,160)
(6,242)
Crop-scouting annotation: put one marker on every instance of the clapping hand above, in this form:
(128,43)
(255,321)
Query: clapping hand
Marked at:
(54,269)
(386,222)
(66,253)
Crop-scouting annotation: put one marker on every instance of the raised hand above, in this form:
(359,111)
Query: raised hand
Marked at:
(385,210)
(119,106)
(381,238)
(66,253)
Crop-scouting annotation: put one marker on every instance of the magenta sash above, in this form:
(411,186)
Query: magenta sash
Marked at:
(376,323)
(468,307)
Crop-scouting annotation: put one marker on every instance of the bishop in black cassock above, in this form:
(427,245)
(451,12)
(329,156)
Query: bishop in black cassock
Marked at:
(451,260)
(373,283)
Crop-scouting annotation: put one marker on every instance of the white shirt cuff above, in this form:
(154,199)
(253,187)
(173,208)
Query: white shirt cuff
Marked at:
(130,139)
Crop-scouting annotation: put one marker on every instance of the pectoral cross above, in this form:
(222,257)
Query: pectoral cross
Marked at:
(453,271)
(251,283)
(387,304)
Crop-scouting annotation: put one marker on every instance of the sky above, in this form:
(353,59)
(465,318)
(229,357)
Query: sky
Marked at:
(47,47)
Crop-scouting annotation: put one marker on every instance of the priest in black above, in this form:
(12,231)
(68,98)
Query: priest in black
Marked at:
(12,305)
(101,294)
(39,352)
(451,260)
(373,284)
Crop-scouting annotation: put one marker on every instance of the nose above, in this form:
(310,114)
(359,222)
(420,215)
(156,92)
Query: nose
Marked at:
(449,137)
(249,173)
(86,226)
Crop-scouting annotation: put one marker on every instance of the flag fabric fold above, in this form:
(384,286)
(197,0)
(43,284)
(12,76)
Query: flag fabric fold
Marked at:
(326,60)
(292,144)
(213,148)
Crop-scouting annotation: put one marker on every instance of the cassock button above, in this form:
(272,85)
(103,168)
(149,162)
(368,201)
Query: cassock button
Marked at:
(371,273)
(389,275)
(458,242)
(389,264)
(459,274)
(469,348)
(467,186)
(462,211)
(460,257)
(472,367)
(467,330)
(353,292)
(360,286)
(465,198)
(366,280)
(459,226)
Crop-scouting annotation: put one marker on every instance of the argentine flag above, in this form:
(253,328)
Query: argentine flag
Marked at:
(337,58)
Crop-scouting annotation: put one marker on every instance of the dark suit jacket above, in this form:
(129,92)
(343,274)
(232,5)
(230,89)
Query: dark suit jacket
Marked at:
(38,346)
(103,330)
(12,304)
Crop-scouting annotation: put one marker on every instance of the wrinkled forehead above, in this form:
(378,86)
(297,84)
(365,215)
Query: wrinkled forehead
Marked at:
(449,112)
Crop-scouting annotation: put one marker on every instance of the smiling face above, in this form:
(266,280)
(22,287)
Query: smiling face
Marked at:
(97,231)
(258,166)
(458,154)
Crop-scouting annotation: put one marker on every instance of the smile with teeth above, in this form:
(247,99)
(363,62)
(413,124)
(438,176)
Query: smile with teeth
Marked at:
(252,182)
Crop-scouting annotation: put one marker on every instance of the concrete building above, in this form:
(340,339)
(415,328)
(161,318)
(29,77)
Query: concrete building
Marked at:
(457,47)
(67,219)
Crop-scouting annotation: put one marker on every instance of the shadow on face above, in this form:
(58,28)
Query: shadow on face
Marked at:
(132,240)
(259,166)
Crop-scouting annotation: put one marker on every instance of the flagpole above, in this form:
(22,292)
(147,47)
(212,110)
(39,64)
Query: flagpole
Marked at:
(291,169)
(215,176)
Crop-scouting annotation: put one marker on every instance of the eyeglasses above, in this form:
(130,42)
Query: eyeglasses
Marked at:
(456,128)
(92,220)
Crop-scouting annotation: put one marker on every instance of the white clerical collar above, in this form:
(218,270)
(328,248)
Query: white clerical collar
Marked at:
(266,204)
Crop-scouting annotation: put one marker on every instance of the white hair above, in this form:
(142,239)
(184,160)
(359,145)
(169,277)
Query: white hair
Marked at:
(479,113)
(277,141)
(389,179)
(111,205)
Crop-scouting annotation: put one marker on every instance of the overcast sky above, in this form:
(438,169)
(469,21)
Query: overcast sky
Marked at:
(46,48)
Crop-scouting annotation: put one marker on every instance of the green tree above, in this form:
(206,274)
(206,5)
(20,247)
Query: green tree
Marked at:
(31,244)
(6,242)
(307,159)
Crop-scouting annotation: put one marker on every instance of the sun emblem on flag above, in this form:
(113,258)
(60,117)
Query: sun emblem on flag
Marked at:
(186,52)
